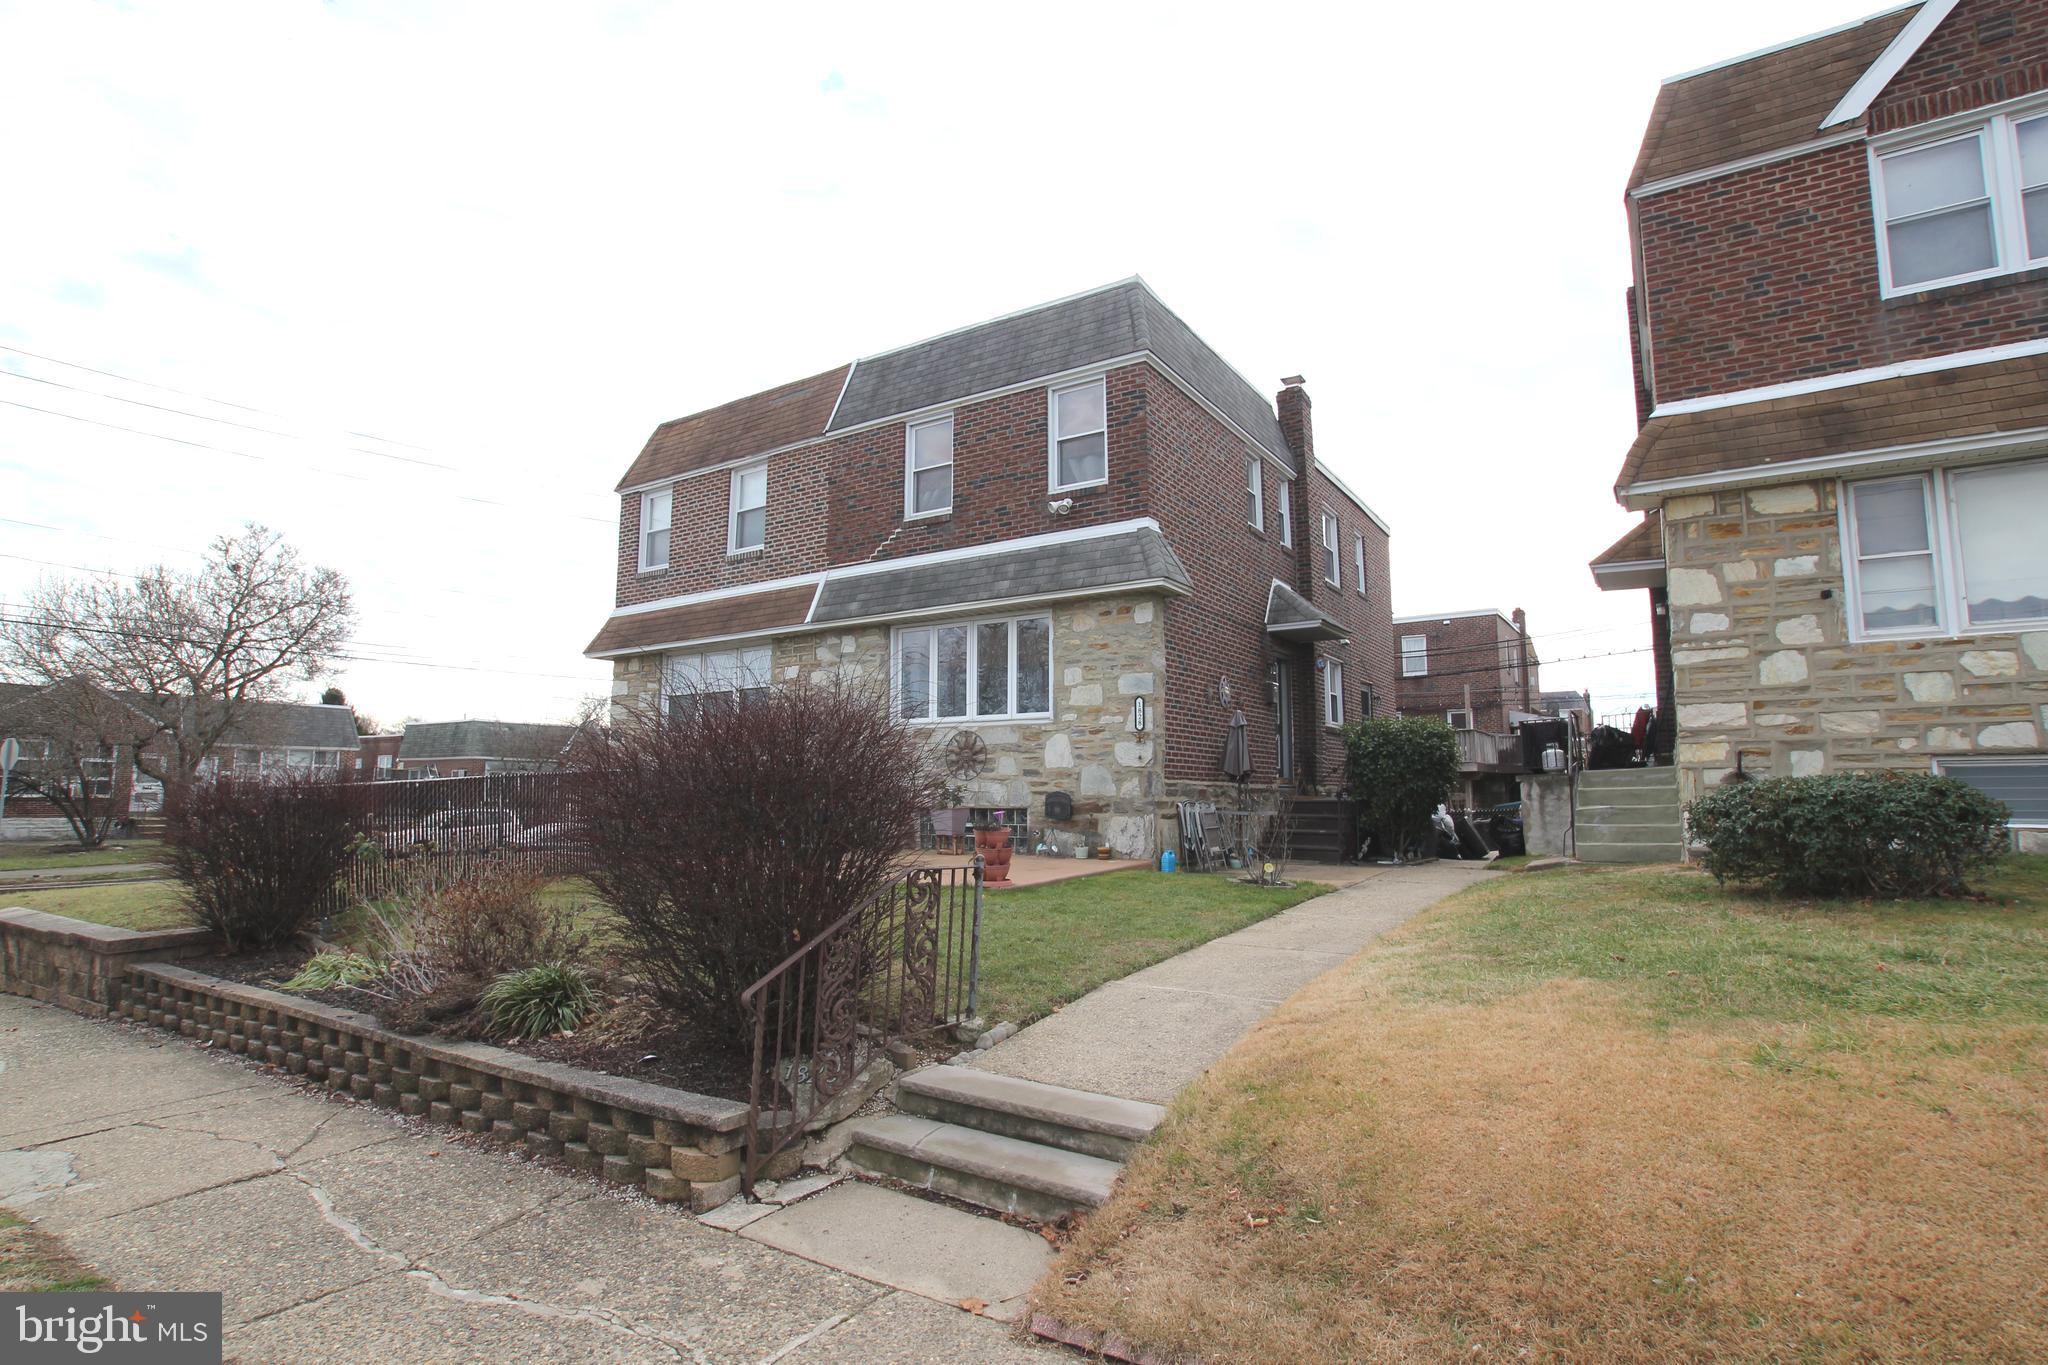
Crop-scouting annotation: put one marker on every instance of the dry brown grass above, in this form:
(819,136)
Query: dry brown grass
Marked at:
(1380,1172)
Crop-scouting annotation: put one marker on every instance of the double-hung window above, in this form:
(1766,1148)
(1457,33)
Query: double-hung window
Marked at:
(747,527)
(1964,205)
(1080,435)
(1333,692)
(1333,572)
(1358,563)
(1949,552)
(655,509)
(928,468)
(711,678)
(1255,493)
(975,670)
(1414,656)
(1285,492)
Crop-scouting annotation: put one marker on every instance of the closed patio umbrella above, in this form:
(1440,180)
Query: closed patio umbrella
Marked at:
(1237,749)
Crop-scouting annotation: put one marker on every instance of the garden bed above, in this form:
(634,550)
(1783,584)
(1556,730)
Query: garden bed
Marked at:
(682,1056)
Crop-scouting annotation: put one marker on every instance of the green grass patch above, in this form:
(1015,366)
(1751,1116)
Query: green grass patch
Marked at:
(1042,946)
(33,1262)
(1688,950)
(60,857)
(124,905)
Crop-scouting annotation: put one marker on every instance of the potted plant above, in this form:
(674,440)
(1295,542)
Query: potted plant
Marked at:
(949,822)
(992,842)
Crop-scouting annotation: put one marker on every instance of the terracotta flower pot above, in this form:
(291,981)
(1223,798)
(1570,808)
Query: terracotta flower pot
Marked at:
(994,847)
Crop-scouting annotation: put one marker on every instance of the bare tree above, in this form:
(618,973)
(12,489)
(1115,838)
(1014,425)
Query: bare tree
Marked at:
(191,650)
(74,740)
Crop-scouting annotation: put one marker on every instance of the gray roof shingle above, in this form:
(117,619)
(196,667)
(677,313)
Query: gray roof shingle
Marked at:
(1089,564)
(484,739)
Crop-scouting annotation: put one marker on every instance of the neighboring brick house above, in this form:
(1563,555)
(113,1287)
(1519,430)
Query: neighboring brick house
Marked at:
(377,755)
(1074,532)
(1476,672)
(1840,330)
(473,748)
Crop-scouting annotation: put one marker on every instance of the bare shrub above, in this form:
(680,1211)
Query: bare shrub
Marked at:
(257,856)
(727,835)
(444,943)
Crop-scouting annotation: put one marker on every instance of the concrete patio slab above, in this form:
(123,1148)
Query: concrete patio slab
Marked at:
(940,1253)
(909,1329)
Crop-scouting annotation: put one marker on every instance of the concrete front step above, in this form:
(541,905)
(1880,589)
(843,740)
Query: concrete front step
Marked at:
(1051,1115)
(1600,851)
(1626,817)
(1001,1173)
(1628,796)
(1606,779)
(1667,832)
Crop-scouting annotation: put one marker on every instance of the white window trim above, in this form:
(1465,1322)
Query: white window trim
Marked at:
(733,509)
(1951,603)
(1052,434)
(1420,657)
(910,470)
(765,678)
(1458,711)
(654,497)
(1941,763)
(1255,491)
(1998,139)
(1333,694)
(1333,554)
(1287,512)
(1358,560)
(972,625)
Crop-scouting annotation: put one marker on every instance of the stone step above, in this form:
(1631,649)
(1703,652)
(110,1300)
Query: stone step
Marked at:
(1628,796)
(1596,851)
(1629,777)
(1669,833)
(1628,817)
(1001,1173)
(1051,1115)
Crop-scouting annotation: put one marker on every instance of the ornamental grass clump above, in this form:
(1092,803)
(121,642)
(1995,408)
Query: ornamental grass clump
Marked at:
(258,856)
(1850,835)
(537,1001)
(729,831)
(443,945)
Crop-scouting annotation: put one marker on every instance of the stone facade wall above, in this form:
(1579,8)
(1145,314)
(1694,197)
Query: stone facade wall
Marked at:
(1106,653)
(1765,669)
(672,1144)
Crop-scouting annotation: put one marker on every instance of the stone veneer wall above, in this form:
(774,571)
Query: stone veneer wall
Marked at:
(672,1144)
(1765,669)
(1106,652)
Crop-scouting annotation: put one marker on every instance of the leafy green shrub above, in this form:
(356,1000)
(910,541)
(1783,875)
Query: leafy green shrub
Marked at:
(1400,769)
(257,856)
(325,971)
(1850,834)
(534,1002)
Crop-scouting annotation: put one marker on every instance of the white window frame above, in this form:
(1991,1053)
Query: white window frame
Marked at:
(1287,512)
(1358,560)
(1255,493)
(1998,142)
(911,471)
(1951,594)
(733,509)
(1418,656)
(972,625)
(1052,434)
(1450,718)
(1333,694)
(1943,762)
(1333,557)
(664,499)
(756,662)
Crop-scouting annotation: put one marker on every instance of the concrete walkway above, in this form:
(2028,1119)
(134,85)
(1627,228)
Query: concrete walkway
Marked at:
(1146,1036)
(339,1232)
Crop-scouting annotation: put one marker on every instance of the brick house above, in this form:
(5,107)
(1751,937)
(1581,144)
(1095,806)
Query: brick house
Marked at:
(1840,330)
(1477,672)
(1073,533)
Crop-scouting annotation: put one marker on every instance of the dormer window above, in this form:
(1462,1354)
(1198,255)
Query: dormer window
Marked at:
(1080,436)
(1963,206)
(654,520)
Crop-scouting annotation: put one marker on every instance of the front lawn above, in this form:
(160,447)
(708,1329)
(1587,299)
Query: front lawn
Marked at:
(61,857)
(124,905)
(34,1262)
(1613,1114)
(1042,946)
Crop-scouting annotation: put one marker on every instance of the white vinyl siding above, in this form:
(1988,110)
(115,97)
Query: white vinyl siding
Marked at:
(1947,553)
(998,669)
(928,468)
(655,508)
(1414,656)
(1963,205)
(747,527)
(1079,432)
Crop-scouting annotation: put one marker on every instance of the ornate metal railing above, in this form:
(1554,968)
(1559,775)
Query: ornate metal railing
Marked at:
(905,963)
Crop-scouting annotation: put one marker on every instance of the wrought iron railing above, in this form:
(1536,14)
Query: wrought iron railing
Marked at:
(905,963)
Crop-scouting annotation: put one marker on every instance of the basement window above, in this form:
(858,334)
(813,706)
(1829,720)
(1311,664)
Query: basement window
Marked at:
(2020,782)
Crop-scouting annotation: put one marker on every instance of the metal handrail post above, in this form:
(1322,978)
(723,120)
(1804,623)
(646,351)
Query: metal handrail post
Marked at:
(974,950)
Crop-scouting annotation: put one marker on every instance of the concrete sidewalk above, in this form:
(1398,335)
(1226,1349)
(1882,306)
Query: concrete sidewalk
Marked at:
(340,1232)
(1146,1036)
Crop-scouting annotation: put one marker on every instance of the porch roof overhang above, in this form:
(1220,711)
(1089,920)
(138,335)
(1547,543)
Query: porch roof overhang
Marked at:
(1295,619)
(1634,561)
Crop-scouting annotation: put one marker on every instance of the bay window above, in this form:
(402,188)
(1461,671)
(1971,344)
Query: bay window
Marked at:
(980,670)
(1080,435)
(1948,552)
(928,468)
(1965,205)
(722,677)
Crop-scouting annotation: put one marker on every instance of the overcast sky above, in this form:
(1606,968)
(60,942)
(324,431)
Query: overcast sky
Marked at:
(456,261)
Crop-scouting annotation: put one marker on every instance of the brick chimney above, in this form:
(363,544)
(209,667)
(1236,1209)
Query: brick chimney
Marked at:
(1292,405)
